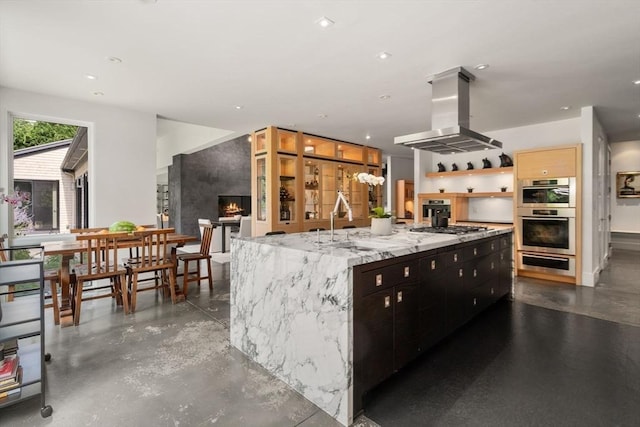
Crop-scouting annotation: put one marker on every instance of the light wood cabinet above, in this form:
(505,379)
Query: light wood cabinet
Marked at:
(404,199)
(555,162)
(296,177)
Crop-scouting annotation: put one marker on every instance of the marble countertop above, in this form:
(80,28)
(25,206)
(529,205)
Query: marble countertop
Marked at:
(358,246)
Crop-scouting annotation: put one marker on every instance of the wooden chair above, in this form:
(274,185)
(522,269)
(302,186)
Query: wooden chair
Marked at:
(51,276)
(186,258)
(101,255)
(155,255)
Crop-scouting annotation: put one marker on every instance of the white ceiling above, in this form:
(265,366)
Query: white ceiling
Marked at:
(194,61)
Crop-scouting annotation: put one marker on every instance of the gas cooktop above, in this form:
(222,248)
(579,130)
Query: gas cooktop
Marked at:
(453,229)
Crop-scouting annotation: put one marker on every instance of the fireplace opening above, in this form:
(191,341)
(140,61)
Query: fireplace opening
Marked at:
(229,206)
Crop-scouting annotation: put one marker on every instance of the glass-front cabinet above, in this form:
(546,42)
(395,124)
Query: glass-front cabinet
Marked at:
(261,188)
(296,178)
(287,141)
(319,147)
(311,190)
(287,189)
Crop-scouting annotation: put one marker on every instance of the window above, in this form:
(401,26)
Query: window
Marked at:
(40,212)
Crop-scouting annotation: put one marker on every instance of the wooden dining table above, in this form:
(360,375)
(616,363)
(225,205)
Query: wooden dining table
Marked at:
(69,248)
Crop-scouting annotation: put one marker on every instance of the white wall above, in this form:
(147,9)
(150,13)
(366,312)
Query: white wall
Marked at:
(594,225)
(122,153)
(184,138)
(625,213)
(397,168)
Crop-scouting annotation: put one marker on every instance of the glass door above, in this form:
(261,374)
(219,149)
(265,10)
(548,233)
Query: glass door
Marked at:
(311,190)
(261,188)
(352,190)
(287,191)
(328,189)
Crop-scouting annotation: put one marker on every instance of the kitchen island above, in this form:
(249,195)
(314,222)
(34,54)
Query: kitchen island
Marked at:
(300,303)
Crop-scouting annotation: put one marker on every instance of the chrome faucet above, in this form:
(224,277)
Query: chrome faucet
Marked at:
(334,212)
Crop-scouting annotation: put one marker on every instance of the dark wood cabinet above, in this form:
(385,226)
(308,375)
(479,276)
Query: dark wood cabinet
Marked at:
(406,325)
(403,306)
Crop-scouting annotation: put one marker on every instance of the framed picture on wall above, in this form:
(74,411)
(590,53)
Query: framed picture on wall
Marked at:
(628,184)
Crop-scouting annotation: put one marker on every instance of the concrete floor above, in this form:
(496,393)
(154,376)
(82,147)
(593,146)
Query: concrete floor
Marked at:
(171,365)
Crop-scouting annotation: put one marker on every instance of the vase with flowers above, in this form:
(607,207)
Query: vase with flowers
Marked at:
(380,220)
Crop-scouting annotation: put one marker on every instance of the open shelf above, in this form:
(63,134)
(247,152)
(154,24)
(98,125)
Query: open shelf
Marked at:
(490,171)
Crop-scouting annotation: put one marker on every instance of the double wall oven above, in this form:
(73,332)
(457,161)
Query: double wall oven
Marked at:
(546,215)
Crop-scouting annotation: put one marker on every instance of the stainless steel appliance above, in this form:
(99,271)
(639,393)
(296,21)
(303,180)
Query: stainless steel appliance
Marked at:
(438,211)
(449,118)
(454,229)
(547,230)
(563,265)
(547,193)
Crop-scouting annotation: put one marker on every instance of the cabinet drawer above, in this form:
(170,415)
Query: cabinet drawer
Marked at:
(391,275)
(480,248)
(481,270)
(432,266)
(505,241)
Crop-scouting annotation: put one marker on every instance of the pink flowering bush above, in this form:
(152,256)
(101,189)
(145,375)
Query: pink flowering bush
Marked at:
(21,202)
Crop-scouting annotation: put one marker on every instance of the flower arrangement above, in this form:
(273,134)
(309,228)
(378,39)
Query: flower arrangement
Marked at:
(367,178)
(372,181)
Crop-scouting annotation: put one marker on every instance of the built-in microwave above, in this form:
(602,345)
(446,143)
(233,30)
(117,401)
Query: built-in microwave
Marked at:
(547,230)
(548,192)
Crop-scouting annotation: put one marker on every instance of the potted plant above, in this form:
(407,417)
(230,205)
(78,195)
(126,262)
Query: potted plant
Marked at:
(380,220)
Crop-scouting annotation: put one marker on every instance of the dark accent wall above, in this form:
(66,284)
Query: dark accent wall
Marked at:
(196,180)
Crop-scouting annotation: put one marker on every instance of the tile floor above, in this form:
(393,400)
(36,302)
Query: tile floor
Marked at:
(547,358)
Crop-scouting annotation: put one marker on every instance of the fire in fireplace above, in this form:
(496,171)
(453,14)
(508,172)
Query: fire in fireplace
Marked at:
(234,205)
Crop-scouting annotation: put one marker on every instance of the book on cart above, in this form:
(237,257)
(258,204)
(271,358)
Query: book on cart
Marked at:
(7,384)
(10,347)
(9,367)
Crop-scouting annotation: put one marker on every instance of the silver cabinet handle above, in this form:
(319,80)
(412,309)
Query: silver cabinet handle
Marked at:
(492,265)
(433,264)
(460,273)
(399,299)
(475,251)
(387,301)
(379,279)
(455,257)
(491,291)
(475,272)
(492,246)
(475,302)
(406,272)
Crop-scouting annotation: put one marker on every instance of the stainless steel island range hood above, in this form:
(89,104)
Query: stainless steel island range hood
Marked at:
(449,118)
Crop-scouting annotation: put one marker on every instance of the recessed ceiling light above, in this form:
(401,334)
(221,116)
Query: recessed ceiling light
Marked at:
(98,93)
(249,138)
(322,116)
(636,82)
(384,97)
(90,77)
(114,59)
(367,137)
(383,55)
(325,22)
(565,107)
(238,107)
(481,66)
